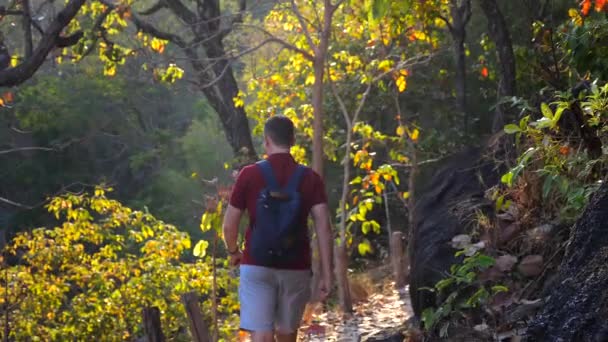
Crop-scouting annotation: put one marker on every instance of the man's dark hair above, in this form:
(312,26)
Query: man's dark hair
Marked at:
(280,130)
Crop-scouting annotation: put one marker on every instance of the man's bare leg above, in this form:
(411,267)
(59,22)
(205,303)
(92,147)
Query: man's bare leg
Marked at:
(262,336)
(291,337)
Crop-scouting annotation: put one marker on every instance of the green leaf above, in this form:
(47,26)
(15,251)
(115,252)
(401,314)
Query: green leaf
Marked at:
(379,8)
(511,128)
(429,318)
(547,112)
(507,178)
(527,155)
(543,123)
(558,115)
(477,298)
(548,186)
(200,250)
(499,288)
(443,283)
(485,261)
(356,180)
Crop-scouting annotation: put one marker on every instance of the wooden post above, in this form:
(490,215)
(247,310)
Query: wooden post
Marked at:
(397,257)
(198,328)
(341,264)
(152,327)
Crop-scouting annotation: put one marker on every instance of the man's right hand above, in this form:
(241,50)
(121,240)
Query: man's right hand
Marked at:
(235,259)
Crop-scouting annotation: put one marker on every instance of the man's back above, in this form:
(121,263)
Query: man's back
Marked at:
(248,186)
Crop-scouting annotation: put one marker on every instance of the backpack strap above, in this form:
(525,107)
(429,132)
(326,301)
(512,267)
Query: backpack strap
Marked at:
(268,175)
(294,181)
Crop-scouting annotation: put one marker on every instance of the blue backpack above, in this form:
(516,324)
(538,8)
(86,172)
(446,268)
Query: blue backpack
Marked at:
(278,219)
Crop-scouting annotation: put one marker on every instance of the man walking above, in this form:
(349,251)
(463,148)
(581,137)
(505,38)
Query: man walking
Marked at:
(275,265)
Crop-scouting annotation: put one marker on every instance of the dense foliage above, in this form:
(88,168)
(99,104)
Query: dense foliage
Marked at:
(91,276)
(405,83)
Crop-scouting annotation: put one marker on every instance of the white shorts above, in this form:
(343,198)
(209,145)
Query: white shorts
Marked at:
(272,299)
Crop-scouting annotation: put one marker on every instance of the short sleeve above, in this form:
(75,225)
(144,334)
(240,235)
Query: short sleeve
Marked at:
(319,194)
(238,196)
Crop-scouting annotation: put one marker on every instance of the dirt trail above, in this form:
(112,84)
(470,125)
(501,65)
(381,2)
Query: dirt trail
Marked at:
(383,312)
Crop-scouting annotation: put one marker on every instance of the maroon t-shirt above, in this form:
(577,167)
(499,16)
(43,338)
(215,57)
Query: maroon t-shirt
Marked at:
(250,182)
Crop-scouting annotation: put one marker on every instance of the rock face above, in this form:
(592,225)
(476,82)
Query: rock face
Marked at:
(445,207)
(576,307)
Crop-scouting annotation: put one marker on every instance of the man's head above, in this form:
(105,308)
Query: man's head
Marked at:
(278,134)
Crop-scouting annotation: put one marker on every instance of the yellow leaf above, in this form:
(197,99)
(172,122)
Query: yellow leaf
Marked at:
(575,16)
(385,65)
(400,131)
(14,61)
(401,83)
(109,70)
(378,189)
(158,45)
(310,80)
(365,247)
(406,195)
(414,135)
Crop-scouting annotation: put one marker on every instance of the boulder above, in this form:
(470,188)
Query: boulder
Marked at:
(576,304)
(446,206)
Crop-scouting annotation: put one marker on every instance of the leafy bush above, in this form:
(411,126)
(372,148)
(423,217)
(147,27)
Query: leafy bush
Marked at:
(89,277)
(569,171)
(461,290)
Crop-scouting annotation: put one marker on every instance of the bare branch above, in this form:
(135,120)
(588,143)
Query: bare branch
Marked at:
(97,26)
(274,39)
(298,14)
(17,75)
(467,12)
(23,149)
(155,8)
(69,40)
(13,203)
(152,30)
(446,21)
(145,26)
(182,11)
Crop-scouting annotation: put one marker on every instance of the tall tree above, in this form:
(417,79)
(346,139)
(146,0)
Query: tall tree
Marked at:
(200,39)
(460,13)
(499,33)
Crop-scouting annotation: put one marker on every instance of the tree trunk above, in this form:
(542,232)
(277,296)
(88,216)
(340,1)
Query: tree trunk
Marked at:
(320,53)
(499,33)
(152,326)
(27,29)
(341,255)
(397,257)
(317,107)
(220,94)
(341,262)
(460,17)
(576,305)
(198,328)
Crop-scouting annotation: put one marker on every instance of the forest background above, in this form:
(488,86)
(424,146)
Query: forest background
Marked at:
(123,123)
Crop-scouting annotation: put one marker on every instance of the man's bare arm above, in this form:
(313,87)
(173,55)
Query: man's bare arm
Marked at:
(320,215)
(232,218)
